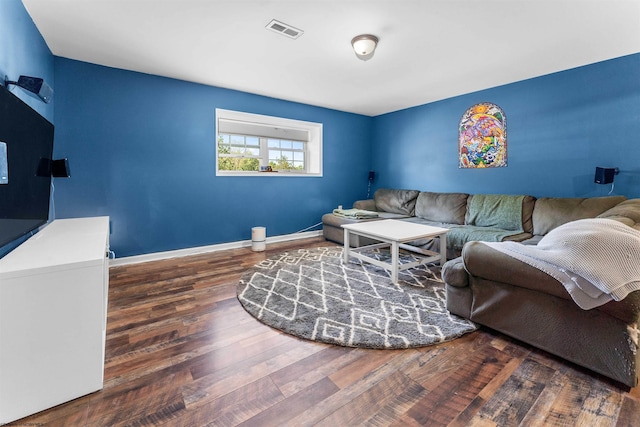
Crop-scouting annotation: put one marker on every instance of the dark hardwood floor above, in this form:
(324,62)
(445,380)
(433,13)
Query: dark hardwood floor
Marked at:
(181,351)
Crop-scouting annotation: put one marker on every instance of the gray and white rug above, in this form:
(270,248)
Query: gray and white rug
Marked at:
(312,294)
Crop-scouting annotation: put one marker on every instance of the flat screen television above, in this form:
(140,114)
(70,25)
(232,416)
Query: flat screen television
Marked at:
(26,146)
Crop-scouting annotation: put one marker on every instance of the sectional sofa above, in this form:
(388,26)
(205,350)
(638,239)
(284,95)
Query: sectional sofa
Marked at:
(499,291)
(473,217)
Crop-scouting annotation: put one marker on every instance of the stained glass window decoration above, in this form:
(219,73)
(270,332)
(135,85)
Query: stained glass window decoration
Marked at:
(482,137)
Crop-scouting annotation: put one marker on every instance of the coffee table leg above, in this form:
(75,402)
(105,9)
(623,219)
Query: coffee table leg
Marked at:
(394,261)
(345,251)
(443,249)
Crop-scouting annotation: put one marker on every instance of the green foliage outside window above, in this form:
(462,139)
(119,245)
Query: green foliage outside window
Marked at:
(235,163)
(240,153)
(284,164)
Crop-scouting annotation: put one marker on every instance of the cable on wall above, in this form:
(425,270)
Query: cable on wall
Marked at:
(53,201)
(305,229)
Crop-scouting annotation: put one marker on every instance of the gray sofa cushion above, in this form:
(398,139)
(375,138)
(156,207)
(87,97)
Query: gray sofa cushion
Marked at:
(447,208)
(551,212)
(396,201)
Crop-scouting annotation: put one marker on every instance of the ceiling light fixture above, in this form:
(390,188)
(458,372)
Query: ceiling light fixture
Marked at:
(364,45)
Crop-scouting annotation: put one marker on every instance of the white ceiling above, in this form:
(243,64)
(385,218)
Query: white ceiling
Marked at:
(429,49)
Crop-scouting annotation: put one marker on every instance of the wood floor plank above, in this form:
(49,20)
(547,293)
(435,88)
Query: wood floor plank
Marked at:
(150,400)
(280,413)
(181,351)
(629,413)
(342,401)
(539,414)
(253,348)
(465,417)
(225,380)
(457,390)
(371,400)
(235,407)
(601,406)
(569,406)
(393,409)
(295,377)
(435,365)
(511,402)
(366,362)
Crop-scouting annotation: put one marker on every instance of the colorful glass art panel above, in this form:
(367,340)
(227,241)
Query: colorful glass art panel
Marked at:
(482,137)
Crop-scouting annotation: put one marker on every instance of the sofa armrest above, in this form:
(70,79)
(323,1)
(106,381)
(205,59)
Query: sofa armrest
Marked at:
(487,263)
(458,291)
(627,212)
(454,273)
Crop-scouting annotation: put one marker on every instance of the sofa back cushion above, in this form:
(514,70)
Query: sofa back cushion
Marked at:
(627,212)
(396,201)
(551,212)
(504,211)
(449,208)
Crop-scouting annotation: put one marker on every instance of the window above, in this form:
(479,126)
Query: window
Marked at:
(251,144)
(286,155)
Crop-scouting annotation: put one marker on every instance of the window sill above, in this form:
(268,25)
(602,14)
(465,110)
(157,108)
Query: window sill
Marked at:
(269,174)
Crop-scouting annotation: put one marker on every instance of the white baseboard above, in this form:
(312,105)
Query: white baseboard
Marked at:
(156,256)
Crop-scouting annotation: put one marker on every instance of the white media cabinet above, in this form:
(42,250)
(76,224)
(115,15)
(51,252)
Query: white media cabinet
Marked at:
(53,307)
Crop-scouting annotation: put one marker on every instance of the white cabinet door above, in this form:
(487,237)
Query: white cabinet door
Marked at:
(52,317)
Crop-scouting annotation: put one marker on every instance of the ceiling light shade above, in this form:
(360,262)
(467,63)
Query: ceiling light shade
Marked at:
(364,45)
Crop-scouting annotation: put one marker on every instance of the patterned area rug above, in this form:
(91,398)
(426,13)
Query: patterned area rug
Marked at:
(312,294)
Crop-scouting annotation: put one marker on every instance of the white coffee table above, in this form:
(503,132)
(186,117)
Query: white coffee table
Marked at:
(395,234)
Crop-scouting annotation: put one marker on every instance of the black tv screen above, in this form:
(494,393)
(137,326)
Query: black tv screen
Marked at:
(26,146)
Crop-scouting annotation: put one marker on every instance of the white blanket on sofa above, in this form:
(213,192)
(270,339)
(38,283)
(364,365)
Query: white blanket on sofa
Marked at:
(597,260)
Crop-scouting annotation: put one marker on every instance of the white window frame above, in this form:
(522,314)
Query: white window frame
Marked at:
(275,126)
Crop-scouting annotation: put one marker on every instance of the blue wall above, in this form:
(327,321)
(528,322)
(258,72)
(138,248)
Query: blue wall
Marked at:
(559,128)
(141,149)
(23,52)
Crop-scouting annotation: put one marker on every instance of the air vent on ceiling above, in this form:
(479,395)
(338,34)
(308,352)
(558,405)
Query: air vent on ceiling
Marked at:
(284,29)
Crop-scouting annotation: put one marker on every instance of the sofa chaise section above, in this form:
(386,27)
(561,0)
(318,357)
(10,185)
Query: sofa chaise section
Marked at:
(496,290)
